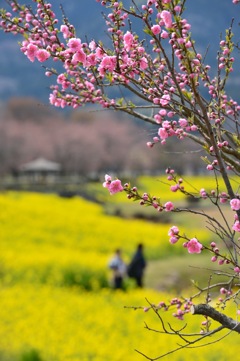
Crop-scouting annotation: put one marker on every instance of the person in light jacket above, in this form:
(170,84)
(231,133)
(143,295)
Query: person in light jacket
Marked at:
(118,267)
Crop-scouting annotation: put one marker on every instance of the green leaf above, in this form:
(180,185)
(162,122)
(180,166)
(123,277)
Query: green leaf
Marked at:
(147,31)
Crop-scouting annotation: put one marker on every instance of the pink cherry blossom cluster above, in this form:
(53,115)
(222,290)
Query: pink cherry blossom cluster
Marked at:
(171,128)
(145,198)
(236,225)
(192,245)
(235,206)
(90,68)
(215,250)
(173,234)
(114,186)
(182,306)
(223,259)
(213,195)
(226,294)
(40,26)
(171,177)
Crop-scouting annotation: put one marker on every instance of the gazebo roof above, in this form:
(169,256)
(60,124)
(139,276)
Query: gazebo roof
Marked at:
(41,164)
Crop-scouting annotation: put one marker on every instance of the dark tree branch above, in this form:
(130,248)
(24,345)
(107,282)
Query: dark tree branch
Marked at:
(206,310)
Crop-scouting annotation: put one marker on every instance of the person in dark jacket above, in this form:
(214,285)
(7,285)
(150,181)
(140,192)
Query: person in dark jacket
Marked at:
(137,266)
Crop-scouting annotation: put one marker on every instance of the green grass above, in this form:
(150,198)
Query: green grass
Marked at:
(180,273)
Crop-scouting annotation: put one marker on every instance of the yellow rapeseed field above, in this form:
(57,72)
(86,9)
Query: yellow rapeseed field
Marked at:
(64,324)
(55,303)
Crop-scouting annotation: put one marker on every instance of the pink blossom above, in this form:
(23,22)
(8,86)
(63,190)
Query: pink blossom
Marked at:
(64,29)
(156,29)
(169,206)
(164,34)
(183,122)
(210,167)
(162,112)
(203,193)
(235,204)
(236,226)
(92,45)
(173,231)
(128,40)
(156,100)
(166,124)
(107,182)
(163,134)
(99,53)
(61,78)
(145,196)
(143,63)
(140,49)
(107,63)
(174,188)
(31,51)
(115,187)
(223,199)
(89,85)
(79,56)
(108,178)
(42,55)
(173,239)
(75,44)
(165,99)
(167,18)
(188,44)
(194,246)
(91,60)
(177,8)
(223,291)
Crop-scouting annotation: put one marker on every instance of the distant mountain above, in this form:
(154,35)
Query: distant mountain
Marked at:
(19,77)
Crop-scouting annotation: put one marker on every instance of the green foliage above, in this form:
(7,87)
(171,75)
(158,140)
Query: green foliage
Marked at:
(86,279)
(31,355)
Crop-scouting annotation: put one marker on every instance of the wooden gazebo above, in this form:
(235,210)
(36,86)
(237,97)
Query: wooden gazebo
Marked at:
(40,170)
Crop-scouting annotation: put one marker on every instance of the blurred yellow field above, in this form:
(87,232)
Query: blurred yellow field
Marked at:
(66,324)
(69,325)
(51,238)
(55,300)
